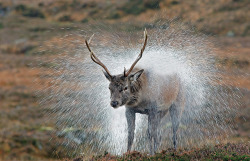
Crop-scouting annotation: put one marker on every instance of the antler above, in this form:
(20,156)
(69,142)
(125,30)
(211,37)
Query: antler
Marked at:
(139,56)
(95,59)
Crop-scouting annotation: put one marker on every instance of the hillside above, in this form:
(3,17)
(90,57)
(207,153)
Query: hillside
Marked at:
(216,17)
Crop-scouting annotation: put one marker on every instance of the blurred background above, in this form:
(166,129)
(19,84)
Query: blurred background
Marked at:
(28,28)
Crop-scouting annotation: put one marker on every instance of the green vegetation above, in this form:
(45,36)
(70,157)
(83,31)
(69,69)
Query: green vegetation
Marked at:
(65,18)
(29,12)
(232,62)
(111,10)
(114,15)
(20,8)
(38,29)
(138,6)
(85,20)
(134,7)
(1,25)
(175,2)
(152,4)
(32,12)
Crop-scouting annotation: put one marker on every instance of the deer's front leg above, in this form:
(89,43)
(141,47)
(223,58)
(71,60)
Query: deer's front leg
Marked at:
(130,116)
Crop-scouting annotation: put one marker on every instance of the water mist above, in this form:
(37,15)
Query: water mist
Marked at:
(81,99)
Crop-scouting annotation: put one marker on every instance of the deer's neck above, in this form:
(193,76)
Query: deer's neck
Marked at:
(136,93)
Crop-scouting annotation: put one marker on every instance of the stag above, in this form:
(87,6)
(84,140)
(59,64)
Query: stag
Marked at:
(131,88)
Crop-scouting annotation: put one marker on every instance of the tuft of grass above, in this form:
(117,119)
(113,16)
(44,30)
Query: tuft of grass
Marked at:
(29,12)
(136,7)
(1,25)
(75,4)
(175,2)
(18,49)
(32,12)
(21,8)
(152,4)
(85,20)
(246,32)
(38,29)
(133,7)
(93,12)
(114,15)
(40,4)
(232,62)
(65,18)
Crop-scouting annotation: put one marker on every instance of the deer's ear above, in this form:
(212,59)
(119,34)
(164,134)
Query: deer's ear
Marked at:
(107,75)
(135,76)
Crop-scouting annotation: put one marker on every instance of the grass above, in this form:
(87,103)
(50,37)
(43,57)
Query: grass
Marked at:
(227,151)
(29,12)
(22,129)
(134,7)
(1,25)
(65,18)
(232,62)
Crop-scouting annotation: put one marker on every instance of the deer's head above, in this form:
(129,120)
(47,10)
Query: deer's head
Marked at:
(123,87)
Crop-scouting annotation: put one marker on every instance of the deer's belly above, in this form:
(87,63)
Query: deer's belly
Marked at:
(144,107)
(141,111)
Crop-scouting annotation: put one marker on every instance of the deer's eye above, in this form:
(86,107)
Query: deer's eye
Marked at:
(125,88)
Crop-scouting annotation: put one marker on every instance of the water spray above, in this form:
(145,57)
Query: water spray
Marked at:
(79,97)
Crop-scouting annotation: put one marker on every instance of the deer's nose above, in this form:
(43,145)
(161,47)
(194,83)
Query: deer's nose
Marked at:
(114,103)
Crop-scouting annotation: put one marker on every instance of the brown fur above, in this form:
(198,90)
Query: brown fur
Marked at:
(135,89)
(138,98)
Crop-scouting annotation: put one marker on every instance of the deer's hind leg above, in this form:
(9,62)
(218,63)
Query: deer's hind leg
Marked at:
(175,114)
(162,114)
(149,133)
(153,123)
(175,111)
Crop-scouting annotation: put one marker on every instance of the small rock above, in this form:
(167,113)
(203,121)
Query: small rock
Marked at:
(19,41)
(230,34)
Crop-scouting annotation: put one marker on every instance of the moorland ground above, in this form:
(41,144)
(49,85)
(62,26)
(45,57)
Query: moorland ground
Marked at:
(27,27)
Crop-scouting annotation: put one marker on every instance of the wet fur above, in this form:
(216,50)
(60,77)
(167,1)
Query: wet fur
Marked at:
(139,100)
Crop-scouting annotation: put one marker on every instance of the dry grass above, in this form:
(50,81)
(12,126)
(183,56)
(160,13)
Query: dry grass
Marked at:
(26,40)
(219,152)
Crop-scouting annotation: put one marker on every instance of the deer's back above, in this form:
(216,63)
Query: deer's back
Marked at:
(163,89)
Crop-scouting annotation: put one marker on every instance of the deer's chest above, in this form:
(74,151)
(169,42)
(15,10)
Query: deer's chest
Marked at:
(144,107)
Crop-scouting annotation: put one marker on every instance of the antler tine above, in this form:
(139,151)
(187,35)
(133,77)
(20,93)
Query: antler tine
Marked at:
(140,55)
(95,59)
(124,73)
(91,38)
